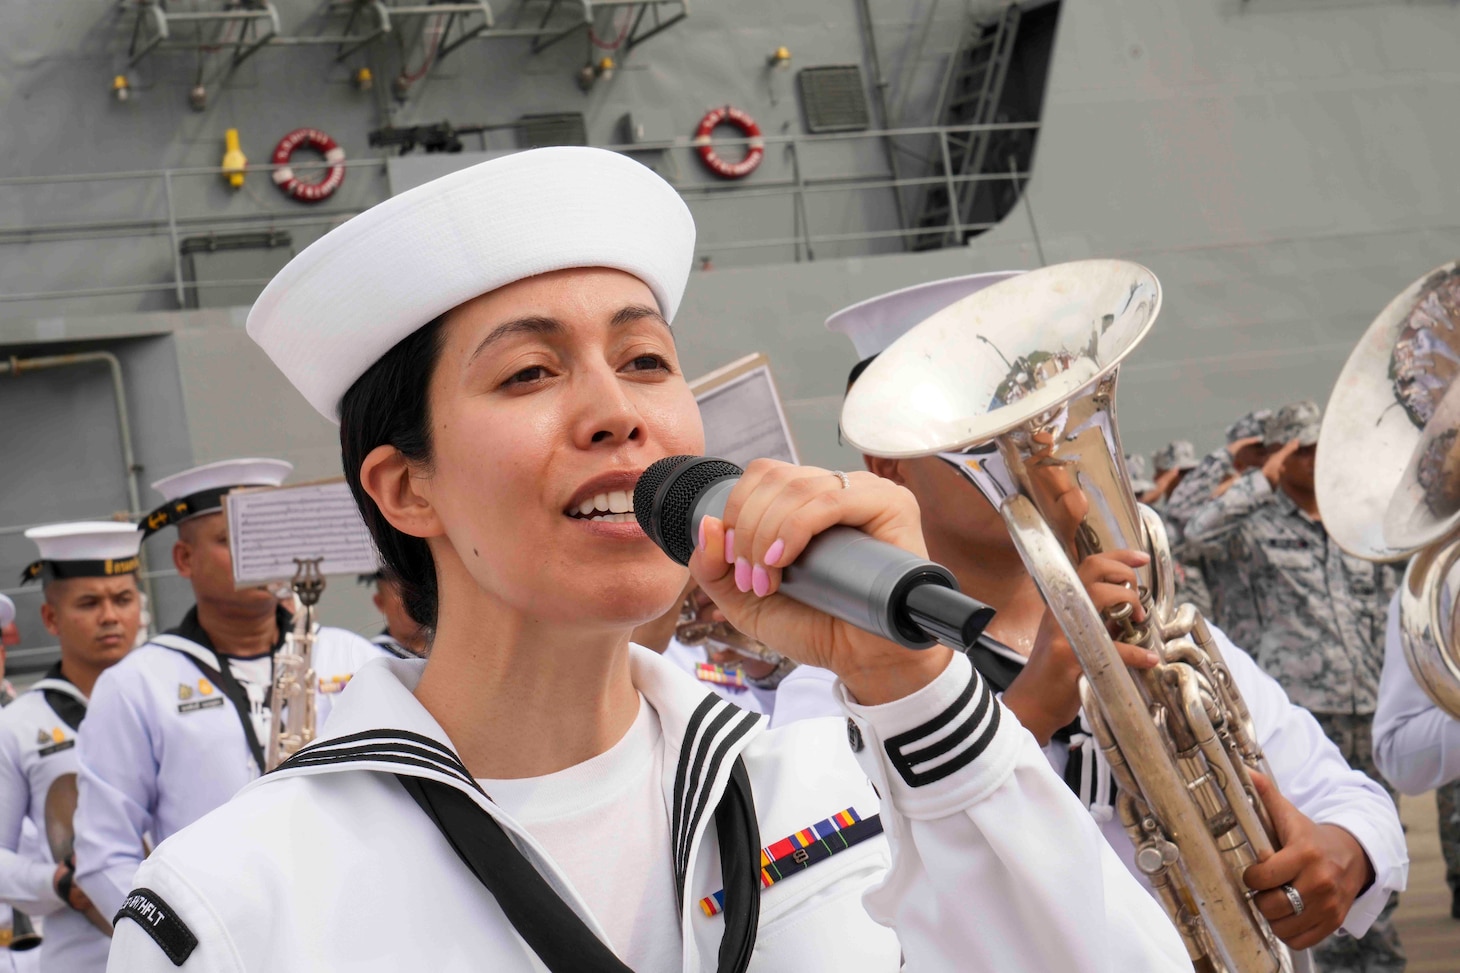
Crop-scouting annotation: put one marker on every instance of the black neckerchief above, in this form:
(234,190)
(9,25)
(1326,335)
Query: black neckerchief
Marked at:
(549,926)
(70,709)
(190,629)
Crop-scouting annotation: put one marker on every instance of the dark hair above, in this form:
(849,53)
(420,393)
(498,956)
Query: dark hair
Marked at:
(388,406)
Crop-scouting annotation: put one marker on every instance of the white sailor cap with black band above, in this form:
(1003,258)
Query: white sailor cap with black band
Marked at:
(877,322)
(87,549)
(351,296)
(201,489)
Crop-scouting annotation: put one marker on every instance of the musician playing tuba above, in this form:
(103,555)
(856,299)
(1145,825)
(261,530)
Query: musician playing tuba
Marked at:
(1342,850)
(1387,482)
(93,608)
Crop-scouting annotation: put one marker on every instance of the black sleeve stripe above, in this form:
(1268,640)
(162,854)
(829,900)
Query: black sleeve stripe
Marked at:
(158,919)
(907,756)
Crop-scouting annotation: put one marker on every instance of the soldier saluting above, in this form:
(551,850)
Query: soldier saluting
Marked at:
(1322,611)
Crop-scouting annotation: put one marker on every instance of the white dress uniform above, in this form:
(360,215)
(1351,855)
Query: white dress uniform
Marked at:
(37,745)
(1416,744)
(165,743)
(300,870)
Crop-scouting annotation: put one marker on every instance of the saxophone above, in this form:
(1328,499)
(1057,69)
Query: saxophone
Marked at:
(292,699)
(1388,467)
(1015,386)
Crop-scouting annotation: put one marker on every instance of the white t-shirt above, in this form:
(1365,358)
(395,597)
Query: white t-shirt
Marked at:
(606,825)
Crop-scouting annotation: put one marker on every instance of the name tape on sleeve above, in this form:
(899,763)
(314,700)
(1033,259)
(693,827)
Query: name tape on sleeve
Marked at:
(147,909)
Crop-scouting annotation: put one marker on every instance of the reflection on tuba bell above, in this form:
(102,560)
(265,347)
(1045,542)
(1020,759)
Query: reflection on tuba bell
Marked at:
(1015,385)
(292,700)
(1388,468)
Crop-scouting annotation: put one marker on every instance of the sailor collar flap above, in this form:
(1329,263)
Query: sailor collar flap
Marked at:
(62,686)
(379,725)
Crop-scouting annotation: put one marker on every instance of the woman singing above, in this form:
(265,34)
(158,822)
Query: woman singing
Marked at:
(541,794)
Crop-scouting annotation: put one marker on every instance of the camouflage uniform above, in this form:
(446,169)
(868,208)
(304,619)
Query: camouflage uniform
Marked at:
(1191,585)
(1321,616)
(1232,604)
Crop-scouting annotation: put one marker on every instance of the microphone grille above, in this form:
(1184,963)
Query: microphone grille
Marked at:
(665,496)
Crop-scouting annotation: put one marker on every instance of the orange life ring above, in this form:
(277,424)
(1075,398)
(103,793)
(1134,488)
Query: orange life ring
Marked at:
(292,185)
(729,116)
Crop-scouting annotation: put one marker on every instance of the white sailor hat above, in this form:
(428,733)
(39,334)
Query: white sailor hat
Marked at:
(351,296)
(201,489)
(7,610)
(877,322)
(87,549)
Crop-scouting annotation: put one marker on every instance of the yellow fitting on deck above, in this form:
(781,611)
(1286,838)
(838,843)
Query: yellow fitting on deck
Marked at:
(233,159)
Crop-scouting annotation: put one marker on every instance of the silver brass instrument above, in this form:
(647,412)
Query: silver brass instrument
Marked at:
(292,699)
(698,626)
(1388,469)
(1015,385)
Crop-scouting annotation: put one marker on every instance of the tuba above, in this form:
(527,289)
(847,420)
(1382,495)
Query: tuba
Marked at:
(292,699)
(1388,468)
(1015,386)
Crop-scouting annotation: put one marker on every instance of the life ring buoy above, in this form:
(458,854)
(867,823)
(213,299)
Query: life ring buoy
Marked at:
(292,185)
(729,115)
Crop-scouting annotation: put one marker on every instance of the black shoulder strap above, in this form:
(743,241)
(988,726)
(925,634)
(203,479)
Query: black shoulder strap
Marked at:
(233,690)
(549,925)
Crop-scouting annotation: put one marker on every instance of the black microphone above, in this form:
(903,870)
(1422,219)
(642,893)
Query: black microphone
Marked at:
(843,572)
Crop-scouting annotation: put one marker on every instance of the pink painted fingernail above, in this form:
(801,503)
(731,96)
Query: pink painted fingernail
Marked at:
(773,555)
(742,574)
(760,581)
(702,534)
(730,547)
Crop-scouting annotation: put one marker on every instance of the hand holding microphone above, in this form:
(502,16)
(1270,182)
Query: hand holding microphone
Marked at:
(813,565)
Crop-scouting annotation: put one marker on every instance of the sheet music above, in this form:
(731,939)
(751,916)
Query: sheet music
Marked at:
(744,421)
(268,528)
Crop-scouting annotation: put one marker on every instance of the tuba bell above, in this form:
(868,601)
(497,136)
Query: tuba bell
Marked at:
(1388,469)
(1015,386)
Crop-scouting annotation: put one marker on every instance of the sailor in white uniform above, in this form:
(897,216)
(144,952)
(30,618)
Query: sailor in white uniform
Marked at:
(181,725)
(540,794)
(1416,744)
(1344,847)
(401,638)
(23,960)
(92,606)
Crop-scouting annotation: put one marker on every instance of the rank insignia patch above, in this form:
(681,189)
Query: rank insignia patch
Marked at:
(42,737)
(184,691)
(799,851)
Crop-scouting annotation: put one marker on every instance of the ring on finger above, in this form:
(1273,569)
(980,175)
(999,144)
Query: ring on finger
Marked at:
(1294,899)
(846,480)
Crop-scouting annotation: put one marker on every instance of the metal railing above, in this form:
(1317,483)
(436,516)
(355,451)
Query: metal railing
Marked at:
(928,145)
